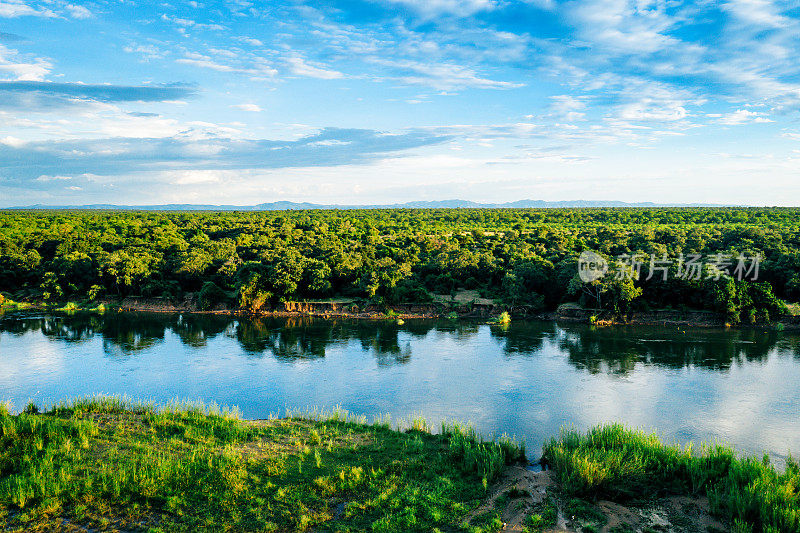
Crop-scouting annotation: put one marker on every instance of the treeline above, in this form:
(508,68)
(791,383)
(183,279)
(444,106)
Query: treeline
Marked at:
(518,256)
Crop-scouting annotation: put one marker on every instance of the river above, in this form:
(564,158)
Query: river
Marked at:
(528,379)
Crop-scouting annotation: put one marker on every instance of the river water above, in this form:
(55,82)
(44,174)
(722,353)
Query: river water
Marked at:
(529,379)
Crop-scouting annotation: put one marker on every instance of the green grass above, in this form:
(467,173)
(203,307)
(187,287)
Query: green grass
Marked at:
(541,521)
(112,464)
(619,463)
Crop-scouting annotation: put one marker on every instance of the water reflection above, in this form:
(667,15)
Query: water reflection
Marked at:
(615,350)
(528,379)
(618,350)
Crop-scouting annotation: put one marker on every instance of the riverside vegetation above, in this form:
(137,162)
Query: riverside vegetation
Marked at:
(518,257)
(109,464)
(621,464)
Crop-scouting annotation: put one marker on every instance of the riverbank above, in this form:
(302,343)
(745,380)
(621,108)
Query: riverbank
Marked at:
(456,309)
(619,464)
(109,465)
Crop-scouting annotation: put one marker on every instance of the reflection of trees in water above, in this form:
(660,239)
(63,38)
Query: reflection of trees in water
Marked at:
(619,349)
(790,345)
(63,327)
(287,339)
(290,339)
(131,332)
(196,329)
(304,341)
(596,350)
(458,330)
(307,338)
(382,338)
(121,332)
(524,338)
(419,328)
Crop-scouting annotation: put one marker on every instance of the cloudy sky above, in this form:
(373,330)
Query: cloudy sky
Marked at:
(382,101)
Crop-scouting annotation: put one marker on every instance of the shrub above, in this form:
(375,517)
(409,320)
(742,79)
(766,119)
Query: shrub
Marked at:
(210,296)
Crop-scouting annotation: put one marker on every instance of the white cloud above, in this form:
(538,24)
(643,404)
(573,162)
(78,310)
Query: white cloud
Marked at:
(751,58)
(258,67)
(188,23)
(78,12)
(567,107)
(12,63)
(250,40)
(330,142)
(760,12)
(121,125)
(148,52)
(45,177)
(26,71)
(299,66)
(253,108)
(637,27)
(442,76)
(742,116)
(462,8)
(205,62)
(194,177)
(18,8)
(12,141)
(649,109)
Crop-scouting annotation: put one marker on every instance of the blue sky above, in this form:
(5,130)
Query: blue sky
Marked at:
(383,101)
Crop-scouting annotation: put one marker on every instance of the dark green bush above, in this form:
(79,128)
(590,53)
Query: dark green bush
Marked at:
(210,296)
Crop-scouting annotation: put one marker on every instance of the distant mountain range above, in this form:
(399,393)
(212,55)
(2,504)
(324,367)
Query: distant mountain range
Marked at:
(284,206)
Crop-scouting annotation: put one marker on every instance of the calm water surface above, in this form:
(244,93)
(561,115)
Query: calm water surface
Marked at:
(528,380)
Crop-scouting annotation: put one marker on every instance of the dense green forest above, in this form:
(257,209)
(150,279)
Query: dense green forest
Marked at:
(520,257)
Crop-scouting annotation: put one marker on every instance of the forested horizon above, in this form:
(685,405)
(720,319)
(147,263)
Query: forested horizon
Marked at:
(516,257)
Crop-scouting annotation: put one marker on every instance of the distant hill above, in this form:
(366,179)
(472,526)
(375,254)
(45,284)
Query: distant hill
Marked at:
(438,204)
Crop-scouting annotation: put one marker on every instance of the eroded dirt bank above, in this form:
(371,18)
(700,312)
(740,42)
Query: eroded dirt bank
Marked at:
(521,493)
(481,309)
(478,310)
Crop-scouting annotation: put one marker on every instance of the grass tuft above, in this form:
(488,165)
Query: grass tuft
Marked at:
(619,463)
(100,405)
(487,458)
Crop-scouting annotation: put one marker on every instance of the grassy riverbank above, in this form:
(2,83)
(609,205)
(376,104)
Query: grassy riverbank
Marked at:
(620,464)
(105,464)
(109,465)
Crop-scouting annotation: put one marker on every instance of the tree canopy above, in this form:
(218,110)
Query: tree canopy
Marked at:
(518,256)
